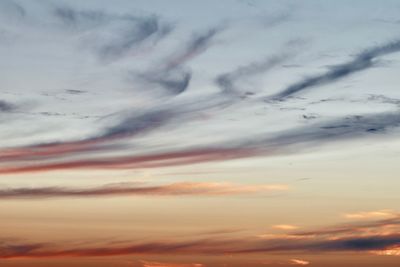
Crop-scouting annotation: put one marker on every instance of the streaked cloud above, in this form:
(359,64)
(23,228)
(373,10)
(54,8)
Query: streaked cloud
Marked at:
(165,264)
(391,251)
(129,189)
(285,142)
(370,214)
(197,44)
(363,61)
(321,242)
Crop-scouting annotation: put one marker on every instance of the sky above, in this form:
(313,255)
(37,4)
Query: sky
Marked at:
(199,133)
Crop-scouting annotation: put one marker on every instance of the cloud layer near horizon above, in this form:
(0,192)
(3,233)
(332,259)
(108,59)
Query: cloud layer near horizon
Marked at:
(358,237)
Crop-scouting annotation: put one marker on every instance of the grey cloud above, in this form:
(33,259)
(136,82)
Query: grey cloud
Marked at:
(172,82)
(362,61)
(198,44)
(80,19)
(172,75)
(12,8)
(227,81)
(6,106)
(138,124)
(74,91)
(134,35)
(384,99)
(328,131)
(125,31)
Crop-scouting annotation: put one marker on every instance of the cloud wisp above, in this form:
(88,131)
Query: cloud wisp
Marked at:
(197,44)
(363,61)
(227,82)
(115,35)
(370,214)
(129,189)
(171,74)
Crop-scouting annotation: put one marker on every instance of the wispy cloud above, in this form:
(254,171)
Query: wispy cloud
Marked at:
(124,32)
(285,142)
(198,44)
(370,214)
(171,74)
(128,189)
(363,61)
(227,81)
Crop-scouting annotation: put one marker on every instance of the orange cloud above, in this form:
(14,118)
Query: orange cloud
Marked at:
(164,264)
(330,241)
(299,262)
(285,227)
(391,251)
(370,214)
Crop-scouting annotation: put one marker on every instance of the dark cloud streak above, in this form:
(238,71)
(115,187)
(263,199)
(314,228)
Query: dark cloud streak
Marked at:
(361,62)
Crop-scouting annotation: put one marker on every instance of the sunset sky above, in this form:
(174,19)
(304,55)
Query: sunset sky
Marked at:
(182,133)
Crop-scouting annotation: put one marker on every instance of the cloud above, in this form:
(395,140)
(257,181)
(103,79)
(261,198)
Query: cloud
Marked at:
(370,214)
(127,189)
(227,81)
(288,141)
(114,35)
(377,241)
(381,227)
(175,78)
(12,8)
(198,44)
(174,81)
(171,158)
(171,75)
(165,264)
(6,107)
(363,61)
(285,227)
(74,91)
(391,251)
(384,99)
(299,262)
